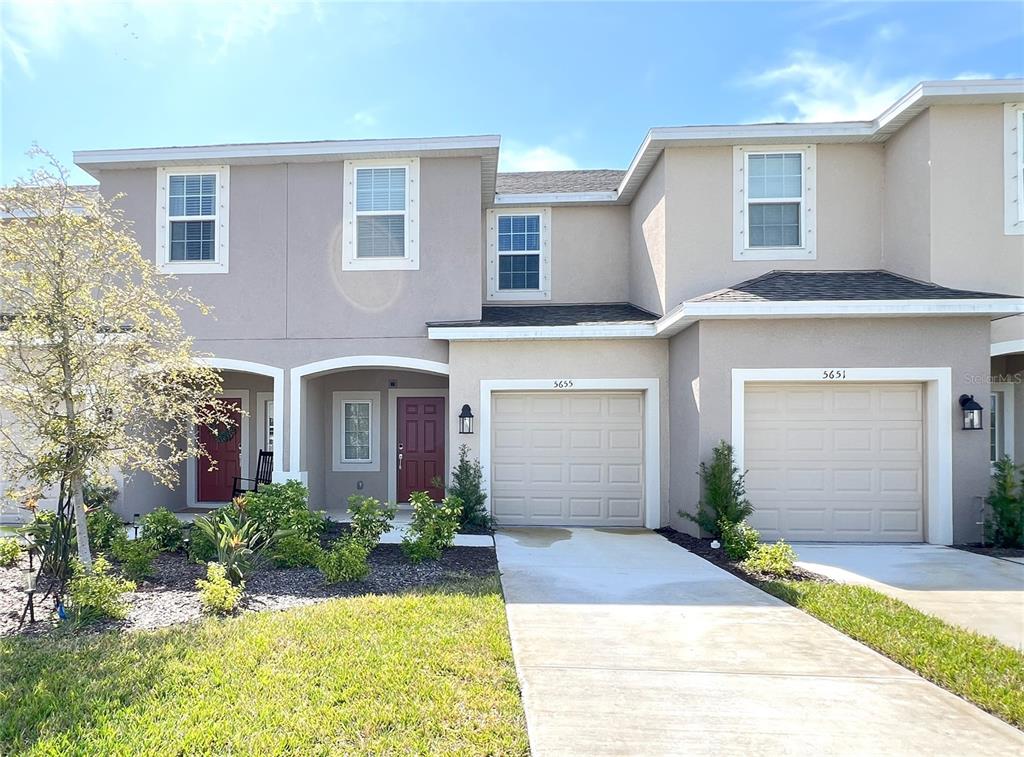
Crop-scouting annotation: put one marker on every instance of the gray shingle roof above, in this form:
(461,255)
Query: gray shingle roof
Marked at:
(555,315)
(544,182)
(788,286)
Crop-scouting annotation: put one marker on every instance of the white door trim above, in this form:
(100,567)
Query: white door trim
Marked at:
(300,373)
(393,395)
(938,426)
(652,427)
(1008,416)
(261,418)
(191,467)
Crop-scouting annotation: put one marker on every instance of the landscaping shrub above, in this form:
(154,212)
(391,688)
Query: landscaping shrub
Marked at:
(345,561)
(432,528)
(1005,526)
(305,523)
(466,485)
(274,504)
(239,541)
(370,519)
(135,555)
(99,492)
(9,552)
(739,540)
(725,495)
(294,551)
(217,594)
(38,530)
(103,525)
(96,595)
(772,559)
(163,529)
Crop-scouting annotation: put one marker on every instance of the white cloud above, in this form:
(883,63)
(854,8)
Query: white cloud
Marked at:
(363,118)
(812,88)
(32,28)
(518,157)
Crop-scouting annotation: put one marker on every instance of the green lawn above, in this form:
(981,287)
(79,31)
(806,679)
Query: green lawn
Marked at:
(978,668)
(417,673)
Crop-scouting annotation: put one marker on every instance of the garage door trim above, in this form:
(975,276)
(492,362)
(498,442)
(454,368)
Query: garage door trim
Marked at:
(652,426)
(938,434)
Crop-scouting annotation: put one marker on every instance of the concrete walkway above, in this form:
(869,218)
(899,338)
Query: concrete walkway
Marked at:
(627,644)
(982,593)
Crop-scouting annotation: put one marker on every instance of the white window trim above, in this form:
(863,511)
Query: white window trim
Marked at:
(1006,417)
(1013,168)
(262,398)
(808,248)
(495,294)
(411,262)
(339,464)
(163,227)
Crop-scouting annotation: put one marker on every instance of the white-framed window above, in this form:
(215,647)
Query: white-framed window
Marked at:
(192,219)
(519,254)
(1001,421)
(995,427)
(1013,167)
(356,432)
(773,202)
(265,419)
(381,215)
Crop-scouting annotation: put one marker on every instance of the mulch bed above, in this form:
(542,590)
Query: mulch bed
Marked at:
(170,597)
(703,548)
(980,549)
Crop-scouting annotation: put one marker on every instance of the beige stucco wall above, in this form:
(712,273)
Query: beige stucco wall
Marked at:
(958,343)
(907,226)
(647,242)
(472,362)
(685,403)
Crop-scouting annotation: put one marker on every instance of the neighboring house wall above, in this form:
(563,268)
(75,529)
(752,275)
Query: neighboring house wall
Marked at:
(907,224)
(1009,369)
(473,362)
(686,404)
(958,343)
(647,243)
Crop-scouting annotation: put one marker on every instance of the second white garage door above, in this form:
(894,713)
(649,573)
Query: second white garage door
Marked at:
(567,458)
(835,462)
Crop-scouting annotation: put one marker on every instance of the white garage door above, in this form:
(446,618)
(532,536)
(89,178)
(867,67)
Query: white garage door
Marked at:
(567,458)
(835,462)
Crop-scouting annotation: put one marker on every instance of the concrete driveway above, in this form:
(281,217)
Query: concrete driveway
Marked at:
(984,594)
(627,644)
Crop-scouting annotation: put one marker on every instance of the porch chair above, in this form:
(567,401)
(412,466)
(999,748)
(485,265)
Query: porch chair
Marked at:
(264,472)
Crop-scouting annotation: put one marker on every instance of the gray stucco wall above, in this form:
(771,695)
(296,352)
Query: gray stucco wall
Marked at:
(685,402)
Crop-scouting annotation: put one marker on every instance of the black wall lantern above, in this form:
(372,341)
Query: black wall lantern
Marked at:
(466,420)
(972,412)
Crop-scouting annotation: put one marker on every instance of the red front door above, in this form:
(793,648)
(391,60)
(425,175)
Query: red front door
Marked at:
(420,445)
(223,444)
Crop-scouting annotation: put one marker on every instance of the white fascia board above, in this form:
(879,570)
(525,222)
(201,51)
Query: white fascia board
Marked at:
(555,198)
(838,308)
(271,150)
(505,333)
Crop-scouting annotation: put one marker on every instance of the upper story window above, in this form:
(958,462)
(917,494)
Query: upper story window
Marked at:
(773,203)
(1013,167)
(192,219)
(518,254)
(381,215)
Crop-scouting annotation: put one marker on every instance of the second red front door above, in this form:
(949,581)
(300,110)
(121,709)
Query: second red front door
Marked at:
(223,444)
(421,432)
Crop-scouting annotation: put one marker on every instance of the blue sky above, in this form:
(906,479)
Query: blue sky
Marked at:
(566,85)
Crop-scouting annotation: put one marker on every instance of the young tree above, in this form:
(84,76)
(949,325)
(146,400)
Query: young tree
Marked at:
(96,371)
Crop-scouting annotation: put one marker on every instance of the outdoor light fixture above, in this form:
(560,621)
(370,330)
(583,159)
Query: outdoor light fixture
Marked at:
(28,585)
(135,525)
(466,420)
(972,412)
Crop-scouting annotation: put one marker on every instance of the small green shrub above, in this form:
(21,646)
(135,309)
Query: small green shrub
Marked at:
(294,551)
(305,523)
(99,491)
(272,505)
(239,541)
(1005,526)
(40,528)
(217,594)
(103,526)
(135,555)
(370,519)
(345,561)
(467,478)
(739,540)
(772,559)
(725,495)
(9,552)
(96,595)
(432,528)
(163,529)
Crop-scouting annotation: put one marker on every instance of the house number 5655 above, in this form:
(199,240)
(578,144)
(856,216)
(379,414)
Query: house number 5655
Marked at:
(563,383)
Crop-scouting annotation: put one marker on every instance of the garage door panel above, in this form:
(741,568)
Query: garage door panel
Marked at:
(835,462)
(591,476)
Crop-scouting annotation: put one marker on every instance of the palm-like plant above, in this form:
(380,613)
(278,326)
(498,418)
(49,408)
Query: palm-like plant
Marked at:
(239,542)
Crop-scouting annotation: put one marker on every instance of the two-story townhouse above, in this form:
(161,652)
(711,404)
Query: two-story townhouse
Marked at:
(820,295)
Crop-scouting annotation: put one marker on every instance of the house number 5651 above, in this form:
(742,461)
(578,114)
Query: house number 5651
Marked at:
(563,383)
(833,374)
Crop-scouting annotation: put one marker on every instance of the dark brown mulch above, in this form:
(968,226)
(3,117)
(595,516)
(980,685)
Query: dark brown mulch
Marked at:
(980,549)
(703,548)
(170,597)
